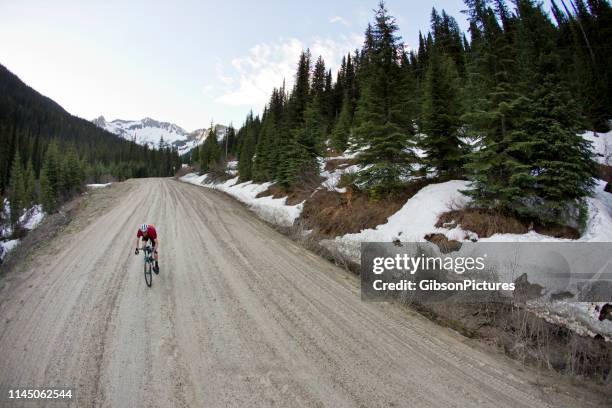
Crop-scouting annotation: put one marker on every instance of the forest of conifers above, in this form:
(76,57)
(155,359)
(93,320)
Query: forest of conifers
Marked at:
(46,154)
(501,105)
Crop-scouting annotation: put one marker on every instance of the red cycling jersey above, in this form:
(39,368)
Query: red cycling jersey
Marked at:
(151,232)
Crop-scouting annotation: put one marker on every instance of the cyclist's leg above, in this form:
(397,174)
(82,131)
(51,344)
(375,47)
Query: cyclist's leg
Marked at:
(155,244)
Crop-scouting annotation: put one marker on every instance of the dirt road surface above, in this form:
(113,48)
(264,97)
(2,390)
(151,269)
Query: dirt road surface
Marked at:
(239,316)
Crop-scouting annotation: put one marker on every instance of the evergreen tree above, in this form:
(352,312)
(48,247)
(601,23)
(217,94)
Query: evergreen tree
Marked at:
(532,162)
(47,195)
(29,184)
(342,131)
(250,133)
(51,178)
(385,156)
(441,118)
(300,162)
(16,191)
(72,172)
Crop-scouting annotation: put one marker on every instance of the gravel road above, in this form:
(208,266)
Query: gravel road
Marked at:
(239,316)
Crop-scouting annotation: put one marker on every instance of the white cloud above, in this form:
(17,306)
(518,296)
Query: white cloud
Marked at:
(206,89)
(266,65)
(338,19)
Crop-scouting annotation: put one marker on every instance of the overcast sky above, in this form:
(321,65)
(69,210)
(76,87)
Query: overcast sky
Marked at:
(186,62)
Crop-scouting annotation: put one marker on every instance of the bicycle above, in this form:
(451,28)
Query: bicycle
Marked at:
(148,264)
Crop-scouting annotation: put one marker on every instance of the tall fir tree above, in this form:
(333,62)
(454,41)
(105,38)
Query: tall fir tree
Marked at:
(531,163)
(29,184)
(386,155)
(51,178)
(441,114)
(16,191)
(342,131)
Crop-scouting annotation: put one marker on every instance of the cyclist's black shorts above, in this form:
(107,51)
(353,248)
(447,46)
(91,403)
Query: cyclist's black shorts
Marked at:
(152,242)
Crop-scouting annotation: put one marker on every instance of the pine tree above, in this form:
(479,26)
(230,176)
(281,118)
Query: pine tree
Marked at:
(385,156)
(72,172)
(47,195)
(16,191)
(29,184)
(250,133)
(532,162)
(441,118)
(342,131)
(51,178)
(307,146)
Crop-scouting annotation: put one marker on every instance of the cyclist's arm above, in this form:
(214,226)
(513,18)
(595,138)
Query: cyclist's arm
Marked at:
(156,244)
(137,242)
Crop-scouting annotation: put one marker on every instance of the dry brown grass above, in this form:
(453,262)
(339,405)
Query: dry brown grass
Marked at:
(297,194)
(526,337)
(332,213)
(183,171)
(487,222)
(294,196)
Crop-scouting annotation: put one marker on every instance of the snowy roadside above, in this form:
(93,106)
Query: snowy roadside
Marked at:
(98,185)
(420,213)
(29,220)
(274,210)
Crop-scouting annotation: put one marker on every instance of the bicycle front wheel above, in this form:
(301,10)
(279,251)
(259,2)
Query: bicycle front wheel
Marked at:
(147,274)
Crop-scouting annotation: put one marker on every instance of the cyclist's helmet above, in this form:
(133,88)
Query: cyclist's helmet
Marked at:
(144,228)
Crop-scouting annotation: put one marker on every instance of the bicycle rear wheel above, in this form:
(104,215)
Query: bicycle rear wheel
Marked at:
(147,274)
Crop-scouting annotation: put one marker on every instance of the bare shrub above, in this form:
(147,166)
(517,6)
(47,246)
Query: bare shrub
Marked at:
(605,173)
(183,171)
(333,213)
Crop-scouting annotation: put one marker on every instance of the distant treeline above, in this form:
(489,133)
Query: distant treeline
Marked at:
(48,145)
(502,108)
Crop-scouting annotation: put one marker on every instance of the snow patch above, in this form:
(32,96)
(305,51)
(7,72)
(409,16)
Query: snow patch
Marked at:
(32,218)
(601,146)
(274,210)
(7,246)
(98,185)
(332,178)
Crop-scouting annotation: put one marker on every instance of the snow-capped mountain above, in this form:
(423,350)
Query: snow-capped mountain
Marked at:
(198,136)
(148,131)
(144,131)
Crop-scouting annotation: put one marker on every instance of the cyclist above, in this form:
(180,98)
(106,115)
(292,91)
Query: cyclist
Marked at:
(148,233)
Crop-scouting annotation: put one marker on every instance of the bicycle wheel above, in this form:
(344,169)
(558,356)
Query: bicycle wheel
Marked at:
(147,273)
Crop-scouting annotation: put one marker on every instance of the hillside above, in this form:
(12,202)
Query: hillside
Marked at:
(29,121)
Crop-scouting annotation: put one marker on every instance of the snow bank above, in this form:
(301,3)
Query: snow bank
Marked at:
(7,246)
(32,217)
(274,210)
(598,228)
(411,223)
(332,178)
(419,215)
(579,317)
(29,220)
(98,185)
(601,146)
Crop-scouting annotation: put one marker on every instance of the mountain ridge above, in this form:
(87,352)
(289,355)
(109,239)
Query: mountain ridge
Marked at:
(149,131)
